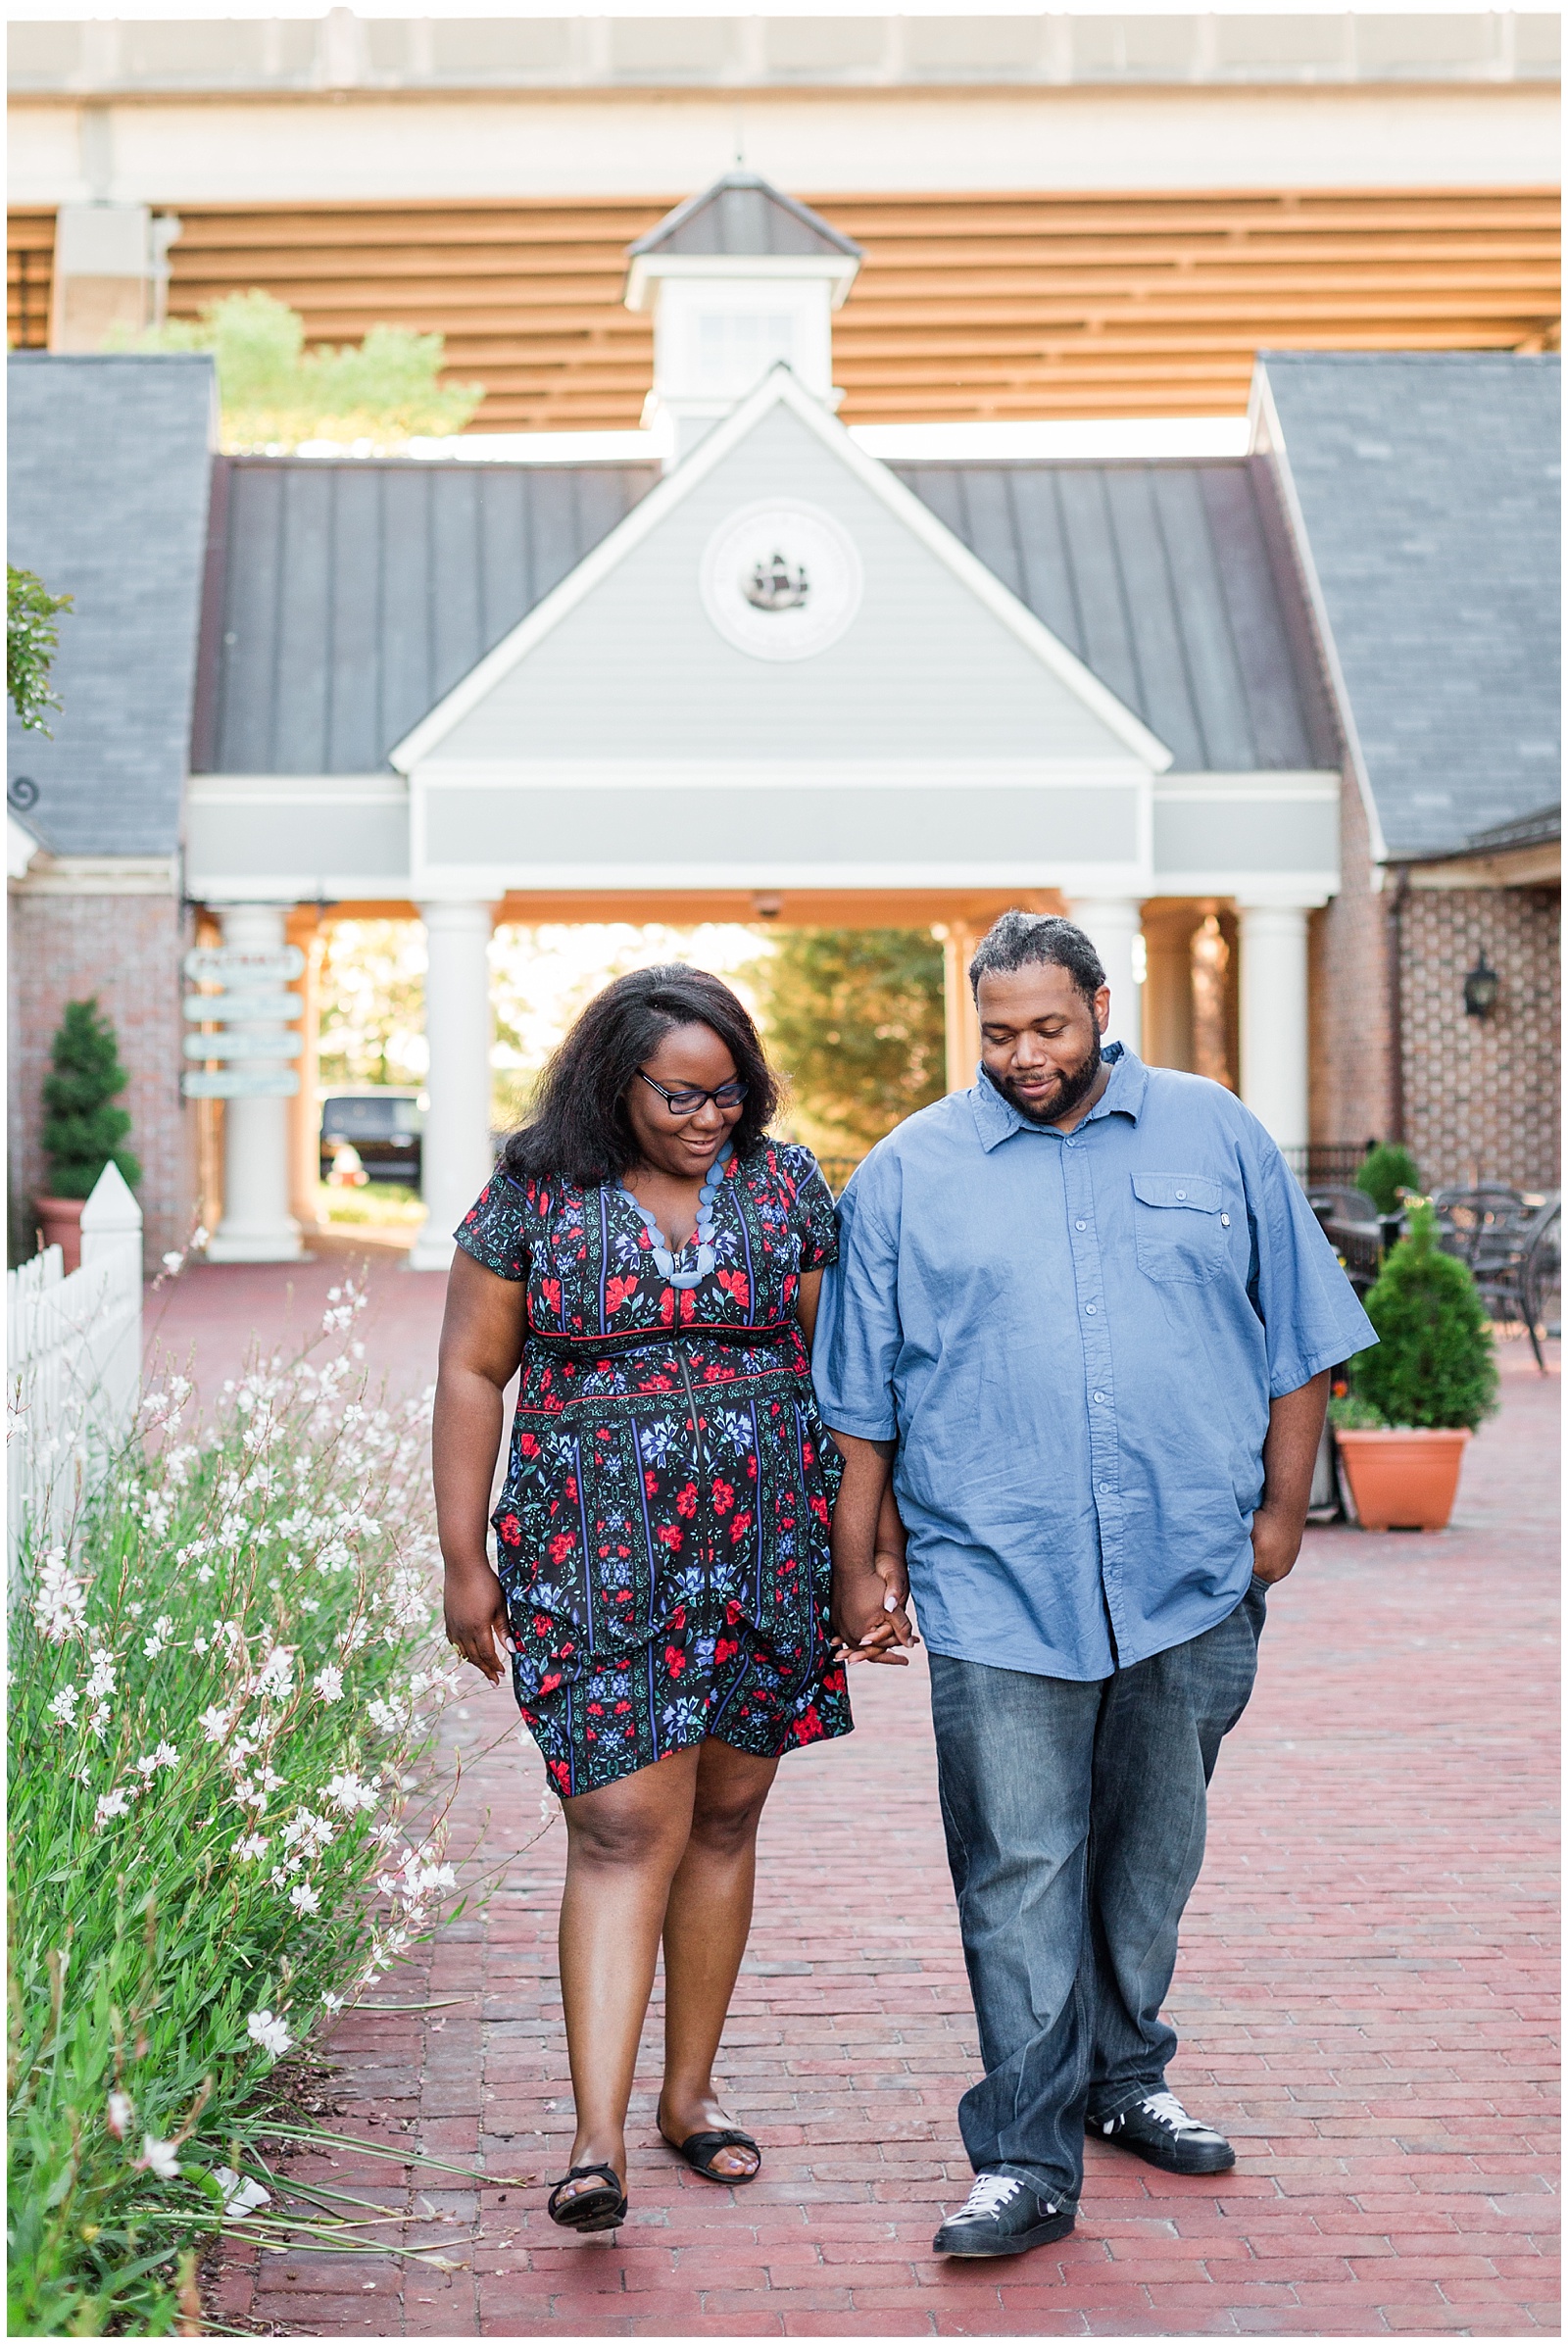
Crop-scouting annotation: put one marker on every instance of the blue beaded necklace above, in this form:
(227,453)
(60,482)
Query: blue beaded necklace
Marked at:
(663,1260)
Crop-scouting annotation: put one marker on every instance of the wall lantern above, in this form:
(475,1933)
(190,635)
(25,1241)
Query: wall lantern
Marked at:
(1480,990)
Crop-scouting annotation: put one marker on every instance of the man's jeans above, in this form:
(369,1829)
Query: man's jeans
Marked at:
(1075,1817)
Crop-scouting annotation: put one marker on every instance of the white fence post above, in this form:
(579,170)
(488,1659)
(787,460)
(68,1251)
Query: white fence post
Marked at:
(72,1366)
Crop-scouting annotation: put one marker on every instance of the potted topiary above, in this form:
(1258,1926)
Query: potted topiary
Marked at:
(83,1128)
(1414,1402)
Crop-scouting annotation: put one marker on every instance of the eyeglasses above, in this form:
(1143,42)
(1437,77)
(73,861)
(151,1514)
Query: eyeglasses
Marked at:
(688,1100)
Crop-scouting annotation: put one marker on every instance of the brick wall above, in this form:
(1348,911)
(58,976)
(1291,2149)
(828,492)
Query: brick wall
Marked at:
(1482,1096)
(127,949)
(1348,945)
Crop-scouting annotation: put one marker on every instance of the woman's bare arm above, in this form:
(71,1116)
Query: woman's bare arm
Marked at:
(481,1343)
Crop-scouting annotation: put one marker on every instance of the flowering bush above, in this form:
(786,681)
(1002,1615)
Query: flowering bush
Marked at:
(217,1692)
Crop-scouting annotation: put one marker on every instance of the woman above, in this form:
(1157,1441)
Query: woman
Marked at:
(654,1259)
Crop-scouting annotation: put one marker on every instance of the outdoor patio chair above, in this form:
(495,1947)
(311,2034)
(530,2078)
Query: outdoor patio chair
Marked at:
(1513,1249)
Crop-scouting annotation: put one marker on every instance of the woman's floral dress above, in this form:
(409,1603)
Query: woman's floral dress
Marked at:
(662,1535)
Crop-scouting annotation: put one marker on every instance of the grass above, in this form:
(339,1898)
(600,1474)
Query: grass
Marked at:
(379,1204)
(219,1687)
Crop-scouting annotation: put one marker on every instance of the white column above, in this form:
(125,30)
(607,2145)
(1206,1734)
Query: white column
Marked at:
(1274,1011)
(961,1016)
(257,1223)
(456,1028)
(1113,924)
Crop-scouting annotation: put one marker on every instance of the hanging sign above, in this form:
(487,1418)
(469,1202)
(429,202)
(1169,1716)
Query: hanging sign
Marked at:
(273,1046)
(243,1008)
(243,1082)
(238,964)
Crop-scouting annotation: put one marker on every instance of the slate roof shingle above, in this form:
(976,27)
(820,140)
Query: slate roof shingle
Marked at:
(110,466)
(1428,486)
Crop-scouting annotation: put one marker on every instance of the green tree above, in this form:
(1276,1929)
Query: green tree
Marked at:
(274,393)
(854,1016)
(33,636)
(372,1003)
(1384,1173)
(83,1128)
(1434,1365)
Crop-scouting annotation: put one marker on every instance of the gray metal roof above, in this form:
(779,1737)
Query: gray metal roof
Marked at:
(1172,581)
(741,215)
(354,595)
(110,464)
(1537,829)
(1429,493)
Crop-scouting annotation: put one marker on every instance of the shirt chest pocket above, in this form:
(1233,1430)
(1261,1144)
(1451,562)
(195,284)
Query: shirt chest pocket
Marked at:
(1181,1221)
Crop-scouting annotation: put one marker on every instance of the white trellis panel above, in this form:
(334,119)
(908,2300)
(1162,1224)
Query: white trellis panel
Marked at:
(72,1366)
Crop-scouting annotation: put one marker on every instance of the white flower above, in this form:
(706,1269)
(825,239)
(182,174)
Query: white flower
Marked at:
(165,1754)
(240,2198)
(160,2157)
(162,1630)
(133,1611)
(271,2034)
(59,1599)
(203,1578)
(254,1844)
(347,1791)
(111,1804)
(102,1680)
(64,1704)
(277,1672)
(328,1682)
(121,2112)
(332,2004)
(172,1263)
(304,1898)
(214,1723)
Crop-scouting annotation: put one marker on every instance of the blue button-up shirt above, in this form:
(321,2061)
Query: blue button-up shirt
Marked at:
(1074,1339)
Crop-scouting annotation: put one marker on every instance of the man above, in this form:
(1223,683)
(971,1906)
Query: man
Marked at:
(1088,1309)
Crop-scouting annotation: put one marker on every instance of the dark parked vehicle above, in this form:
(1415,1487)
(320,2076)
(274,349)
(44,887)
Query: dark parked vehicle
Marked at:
(386,1128)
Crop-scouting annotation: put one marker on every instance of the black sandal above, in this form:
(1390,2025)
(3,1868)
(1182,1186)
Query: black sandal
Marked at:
(602,2209)
(701,2148)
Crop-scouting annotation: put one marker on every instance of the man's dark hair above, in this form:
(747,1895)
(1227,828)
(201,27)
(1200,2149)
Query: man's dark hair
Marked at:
(1020,937)
(578,1129)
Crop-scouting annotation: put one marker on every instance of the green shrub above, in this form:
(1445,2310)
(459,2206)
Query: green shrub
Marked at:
(33,636)
(215,1699)
(1350,1413)
(1434,1363)
(83,1128)
(1384,1173)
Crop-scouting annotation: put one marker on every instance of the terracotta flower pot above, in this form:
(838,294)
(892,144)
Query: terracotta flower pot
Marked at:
(60,1219)
(1401,1478)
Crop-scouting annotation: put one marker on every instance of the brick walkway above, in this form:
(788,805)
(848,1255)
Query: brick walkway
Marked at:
(1366,1999)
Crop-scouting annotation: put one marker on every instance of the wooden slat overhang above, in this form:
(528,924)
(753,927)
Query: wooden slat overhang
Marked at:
(968,307)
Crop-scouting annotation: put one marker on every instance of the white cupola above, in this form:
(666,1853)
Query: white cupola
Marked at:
(736,279)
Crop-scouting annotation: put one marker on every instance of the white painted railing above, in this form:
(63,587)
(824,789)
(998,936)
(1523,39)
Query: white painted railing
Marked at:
(72,1366)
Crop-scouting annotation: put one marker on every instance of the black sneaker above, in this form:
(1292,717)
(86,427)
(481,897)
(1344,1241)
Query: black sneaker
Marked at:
(1003,2217)
(1159,2129)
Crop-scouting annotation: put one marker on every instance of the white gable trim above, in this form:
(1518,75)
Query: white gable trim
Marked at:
(780,390)
(1267,437)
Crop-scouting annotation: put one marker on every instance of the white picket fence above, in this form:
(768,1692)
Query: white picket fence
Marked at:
(73,1367)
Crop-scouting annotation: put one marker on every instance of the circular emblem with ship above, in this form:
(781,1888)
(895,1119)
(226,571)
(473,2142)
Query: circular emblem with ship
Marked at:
(781,581)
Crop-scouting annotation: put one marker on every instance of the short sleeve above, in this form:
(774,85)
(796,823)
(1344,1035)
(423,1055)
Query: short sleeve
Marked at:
(495,1231)
(859,1336)
(1311,1318)
(815,1214)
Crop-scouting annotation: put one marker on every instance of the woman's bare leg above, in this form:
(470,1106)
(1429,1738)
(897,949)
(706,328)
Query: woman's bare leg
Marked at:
(625,1845)
(706,1927)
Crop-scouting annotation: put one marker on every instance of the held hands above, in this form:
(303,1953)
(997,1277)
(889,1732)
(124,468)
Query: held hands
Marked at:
(476,1618)
(871,1619)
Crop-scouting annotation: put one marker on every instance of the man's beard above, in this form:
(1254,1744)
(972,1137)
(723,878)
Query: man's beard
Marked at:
(1072,1090)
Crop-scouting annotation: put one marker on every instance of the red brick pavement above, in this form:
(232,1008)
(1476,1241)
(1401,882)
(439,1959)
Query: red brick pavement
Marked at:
(1366,1998)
